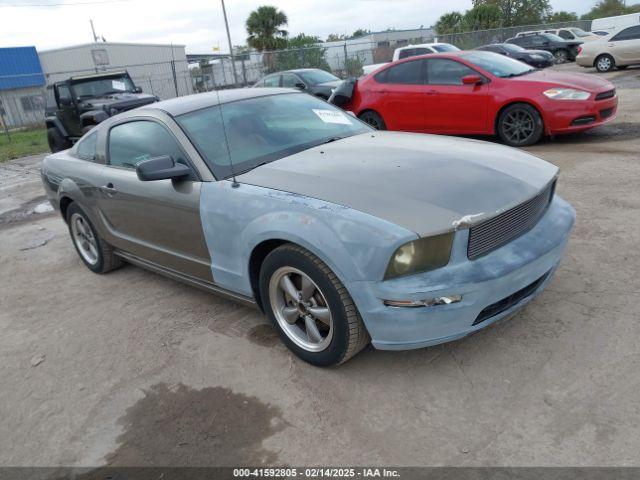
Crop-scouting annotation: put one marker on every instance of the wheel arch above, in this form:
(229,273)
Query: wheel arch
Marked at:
(65,202)
(515,102)
(256,258)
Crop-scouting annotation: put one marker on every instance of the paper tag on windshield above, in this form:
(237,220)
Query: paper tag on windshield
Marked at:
(118,85)
(331,116)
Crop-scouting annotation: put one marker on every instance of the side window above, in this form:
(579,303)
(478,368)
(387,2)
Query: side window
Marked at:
(537,40)
(446,72)
(63,92)
(407,73)
(566,34)
(86,149)
(132,142)
(406,53)
(273,81)
(289,80)
(631,33)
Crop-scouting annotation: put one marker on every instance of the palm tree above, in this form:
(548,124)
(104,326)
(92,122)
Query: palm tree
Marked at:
(264,28)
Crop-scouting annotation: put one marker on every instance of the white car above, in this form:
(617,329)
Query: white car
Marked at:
(413,51)
(619,49)
(574,33)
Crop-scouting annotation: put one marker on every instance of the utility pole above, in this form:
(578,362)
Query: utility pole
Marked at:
(95,37)
(233,62)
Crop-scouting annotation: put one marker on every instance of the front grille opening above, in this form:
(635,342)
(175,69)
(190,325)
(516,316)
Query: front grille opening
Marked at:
(605,95)
(606,113)
(508,302)
(501,229)
(584,120)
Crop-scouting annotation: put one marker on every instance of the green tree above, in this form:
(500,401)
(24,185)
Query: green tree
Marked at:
(610,8)
(303,51)
(519,12)
(361,32)
(264,26)
(562,16)
(449,23)
(481,17)
(335,37)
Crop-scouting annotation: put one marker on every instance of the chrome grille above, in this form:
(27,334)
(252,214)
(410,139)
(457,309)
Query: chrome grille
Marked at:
(501,229)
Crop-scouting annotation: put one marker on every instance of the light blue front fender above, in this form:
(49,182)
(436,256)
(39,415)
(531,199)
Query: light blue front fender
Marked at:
(356,246)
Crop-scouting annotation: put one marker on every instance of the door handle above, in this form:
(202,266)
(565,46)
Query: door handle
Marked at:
(432,92)
(382,91)
(109,189)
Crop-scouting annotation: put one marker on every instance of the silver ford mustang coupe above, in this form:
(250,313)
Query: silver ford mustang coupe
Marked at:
(341,234)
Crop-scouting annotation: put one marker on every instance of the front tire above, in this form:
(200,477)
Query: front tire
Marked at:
(94,252)
(520,125)
(57,142)
(373,119)
(312,310)
(605,63)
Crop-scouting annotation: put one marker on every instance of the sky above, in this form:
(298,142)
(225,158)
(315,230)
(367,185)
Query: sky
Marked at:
(199,24)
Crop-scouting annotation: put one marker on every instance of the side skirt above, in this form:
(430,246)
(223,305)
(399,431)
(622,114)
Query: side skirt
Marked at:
(201,284)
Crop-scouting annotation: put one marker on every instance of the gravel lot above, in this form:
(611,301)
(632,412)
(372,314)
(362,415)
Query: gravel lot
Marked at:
(131,368)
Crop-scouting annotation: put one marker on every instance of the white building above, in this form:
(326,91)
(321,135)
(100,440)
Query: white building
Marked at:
(158,69)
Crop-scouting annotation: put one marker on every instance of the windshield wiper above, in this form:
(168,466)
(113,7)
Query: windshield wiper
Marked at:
(332,139)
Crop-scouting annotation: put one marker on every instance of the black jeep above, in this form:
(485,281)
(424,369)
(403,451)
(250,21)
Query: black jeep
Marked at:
(77,104)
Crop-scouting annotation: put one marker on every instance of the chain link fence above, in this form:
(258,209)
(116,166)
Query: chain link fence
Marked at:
(176,77)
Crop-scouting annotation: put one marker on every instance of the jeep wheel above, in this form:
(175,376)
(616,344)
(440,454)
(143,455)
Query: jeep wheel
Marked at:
(56,141)
(561,56)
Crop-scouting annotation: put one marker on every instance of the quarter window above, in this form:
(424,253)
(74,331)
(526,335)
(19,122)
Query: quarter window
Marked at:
(132,142)
(86,149)
(566,34)
(446,72)
(407,73)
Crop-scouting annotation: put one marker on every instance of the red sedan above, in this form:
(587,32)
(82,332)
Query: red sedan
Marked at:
(481,93)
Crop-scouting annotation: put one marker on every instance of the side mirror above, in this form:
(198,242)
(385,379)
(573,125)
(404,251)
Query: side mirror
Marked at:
(300,86)
(65,102)
(161,168)
(137,90)
(472,80)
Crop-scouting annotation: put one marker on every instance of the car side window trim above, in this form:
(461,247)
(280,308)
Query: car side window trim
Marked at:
(186,159)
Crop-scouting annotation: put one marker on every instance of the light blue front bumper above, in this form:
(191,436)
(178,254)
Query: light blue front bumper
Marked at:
(481,282)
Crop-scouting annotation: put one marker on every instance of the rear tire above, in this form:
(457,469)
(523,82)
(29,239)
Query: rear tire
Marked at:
(318,320)
(94,252)
(373,119)
(605,63)
(57,142)
(520,125)
(561,56)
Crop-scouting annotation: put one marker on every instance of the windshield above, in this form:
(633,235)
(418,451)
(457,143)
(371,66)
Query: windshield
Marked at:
(498,65)
(445,47)
(513,48)
(313,77)
(263,129)
(98,87)
(579,32)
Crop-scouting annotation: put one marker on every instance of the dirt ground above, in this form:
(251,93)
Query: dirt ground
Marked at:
(131,368)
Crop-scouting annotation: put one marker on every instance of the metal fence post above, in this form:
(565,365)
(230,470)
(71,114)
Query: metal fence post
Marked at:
(175,80)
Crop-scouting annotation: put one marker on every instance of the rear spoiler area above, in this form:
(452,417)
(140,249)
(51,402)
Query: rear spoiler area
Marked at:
(343,92)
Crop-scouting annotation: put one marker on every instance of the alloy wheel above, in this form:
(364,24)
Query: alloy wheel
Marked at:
(518,126)
(560,56)
(372,121)
(301,309)
(84,239)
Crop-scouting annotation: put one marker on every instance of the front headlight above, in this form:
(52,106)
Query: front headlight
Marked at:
(420,255)
(566,94)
